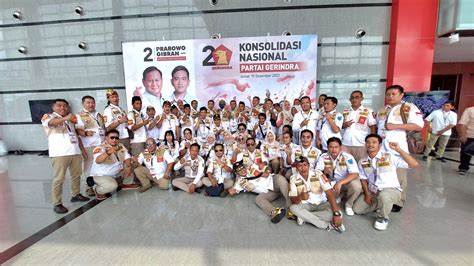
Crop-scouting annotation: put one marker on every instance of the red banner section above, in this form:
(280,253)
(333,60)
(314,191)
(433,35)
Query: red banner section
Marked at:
(272,67)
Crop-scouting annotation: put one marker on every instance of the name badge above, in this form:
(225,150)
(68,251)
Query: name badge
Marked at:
(72,138)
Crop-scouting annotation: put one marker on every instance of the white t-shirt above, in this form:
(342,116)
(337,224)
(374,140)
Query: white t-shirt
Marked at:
(441,120)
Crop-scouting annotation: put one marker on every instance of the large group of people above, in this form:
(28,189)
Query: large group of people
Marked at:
(312,158)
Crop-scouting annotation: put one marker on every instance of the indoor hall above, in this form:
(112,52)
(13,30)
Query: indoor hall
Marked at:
(174,227)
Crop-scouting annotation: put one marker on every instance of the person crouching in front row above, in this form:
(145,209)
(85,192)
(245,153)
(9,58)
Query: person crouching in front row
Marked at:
(193,171)
(111,161)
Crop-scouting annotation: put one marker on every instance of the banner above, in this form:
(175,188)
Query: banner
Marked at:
(282,67)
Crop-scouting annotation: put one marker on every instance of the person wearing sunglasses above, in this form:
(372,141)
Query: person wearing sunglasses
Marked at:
(156,165)
(313,200)
(359,121)
(111,164)
(253,175)
(219,171)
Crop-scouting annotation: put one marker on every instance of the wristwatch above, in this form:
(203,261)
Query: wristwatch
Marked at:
(336,213)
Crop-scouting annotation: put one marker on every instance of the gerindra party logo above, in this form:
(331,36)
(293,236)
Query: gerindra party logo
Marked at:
(218,58)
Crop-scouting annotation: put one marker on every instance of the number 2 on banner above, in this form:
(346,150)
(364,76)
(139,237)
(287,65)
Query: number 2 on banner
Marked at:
(207,60)
(147,57)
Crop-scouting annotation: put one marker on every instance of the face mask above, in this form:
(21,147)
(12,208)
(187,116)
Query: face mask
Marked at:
(222,105)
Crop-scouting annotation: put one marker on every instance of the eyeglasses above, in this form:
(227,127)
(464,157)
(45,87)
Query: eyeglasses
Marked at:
(250,144)
(114,137)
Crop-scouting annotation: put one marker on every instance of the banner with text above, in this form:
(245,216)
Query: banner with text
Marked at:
(283,67)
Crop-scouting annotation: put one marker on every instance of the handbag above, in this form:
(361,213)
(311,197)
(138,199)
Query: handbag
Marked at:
(415,145)
(215,191)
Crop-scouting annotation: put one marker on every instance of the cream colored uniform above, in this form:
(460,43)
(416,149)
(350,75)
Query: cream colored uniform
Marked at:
(381,175)
(65,153)
(113,113)
(137,144)
(325,131)
(170,122)
(343,165)
(221,175)
(105,173)
(90,122)
(250,183)
(393,115)
(312,153)
(315,210)
(193,173)
(312,118)
(353,138)
(154,168)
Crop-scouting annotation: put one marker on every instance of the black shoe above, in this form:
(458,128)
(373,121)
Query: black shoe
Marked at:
(224,193)
(425,158)
(396,208)
(60,209)
(175,188)
(90,181)
(277,215)
(441,159)
(79,197)
(198,190)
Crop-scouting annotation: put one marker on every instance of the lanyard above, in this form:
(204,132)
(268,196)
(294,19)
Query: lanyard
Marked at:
(66,123)
(375,168)
(96,120)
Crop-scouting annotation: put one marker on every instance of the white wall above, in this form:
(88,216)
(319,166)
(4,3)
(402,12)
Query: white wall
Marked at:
(54,62)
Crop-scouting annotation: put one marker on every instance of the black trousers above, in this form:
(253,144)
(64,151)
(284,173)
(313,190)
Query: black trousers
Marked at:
(465,158)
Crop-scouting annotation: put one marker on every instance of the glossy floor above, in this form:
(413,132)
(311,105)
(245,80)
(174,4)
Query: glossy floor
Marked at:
(161,227)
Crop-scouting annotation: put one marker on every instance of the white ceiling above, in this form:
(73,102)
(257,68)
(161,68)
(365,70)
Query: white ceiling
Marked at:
(462,51)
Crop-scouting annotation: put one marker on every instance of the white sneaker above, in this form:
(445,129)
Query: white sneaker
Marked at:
(299,221)
(349,211)
(381,224)
(338,229)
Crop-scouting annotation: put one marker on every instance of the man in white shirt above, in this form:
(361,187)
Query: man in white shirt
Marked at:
(313,199)
(219,171)
(137,123)
(378,174)
(193,171)
(359,121)
(393,122)
(168,121)
(304,150)
(111,163)
(65,150)
(262,127)
(202,125)
(155,165)
(305,119)
(91,129)
(466,136)
(442,121)
(116,118)
(329,125)
(341,169)
(180,81)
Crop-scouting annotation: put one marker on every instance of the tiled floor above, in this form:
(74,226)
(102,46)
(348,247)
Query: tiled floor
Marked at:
(162,227)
